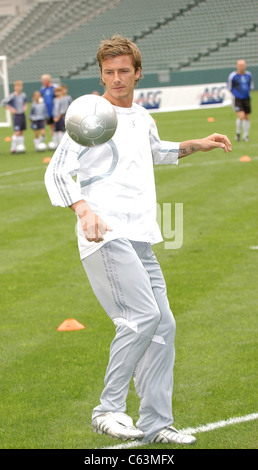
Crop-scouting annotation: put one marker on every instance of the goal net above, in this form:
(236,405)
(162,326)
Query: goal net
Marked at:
(5,115)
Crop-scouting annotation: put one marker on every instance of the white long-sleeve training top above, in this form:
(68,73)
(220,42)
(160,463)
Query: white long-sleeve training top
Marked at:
(116,179)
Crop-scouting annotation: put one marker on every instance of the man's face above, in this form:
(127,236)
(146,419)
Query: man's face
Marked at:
(45,81)
(118,75)
(241,66)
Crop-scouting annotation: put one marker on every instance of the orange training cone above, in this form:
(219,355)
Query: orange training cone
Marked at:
(245,158)
(211,119)
(46,160)
(70,325)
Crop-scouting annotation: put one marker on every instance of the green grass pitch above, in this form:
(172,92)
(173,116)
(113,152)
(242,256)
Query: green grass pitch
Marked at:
(51,380)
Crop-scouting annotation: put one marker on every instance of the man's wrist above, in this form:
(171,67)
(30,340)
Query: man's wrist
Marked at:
(79,207)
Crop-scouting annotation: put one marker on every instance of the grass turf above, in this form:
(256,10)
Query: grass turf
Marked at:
(51,380)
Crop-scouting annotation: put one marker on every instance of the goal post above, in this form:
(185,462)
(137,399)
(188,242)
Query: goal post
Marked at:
(5,115)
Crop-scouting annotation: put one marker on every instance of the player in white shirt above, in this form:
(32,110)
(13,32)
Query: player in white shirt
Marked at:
(115,202)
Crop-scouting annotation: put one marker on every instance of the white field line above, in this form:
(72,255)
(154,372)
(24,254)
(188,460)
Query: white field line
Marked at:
(213,162)
(218,161)
(21,170)
(204,428)
(22,185)
(185,165)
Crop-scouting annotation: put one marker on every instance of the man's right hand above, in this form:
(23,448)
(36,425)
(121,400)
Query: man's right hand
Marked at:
(93,226)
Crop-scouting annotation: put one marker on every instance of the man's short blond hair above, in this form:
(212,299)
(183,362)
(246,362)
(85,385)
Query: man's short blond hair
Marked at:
(46,76)
(118,45)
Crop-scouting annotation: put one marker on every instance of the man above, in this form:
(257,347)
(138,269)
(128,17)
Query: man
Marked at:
(48,92)
(240,82)
(115,203)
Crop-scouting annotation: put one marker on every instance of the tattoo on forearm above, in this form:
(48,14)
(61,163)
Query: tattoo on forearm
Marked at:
(186,151)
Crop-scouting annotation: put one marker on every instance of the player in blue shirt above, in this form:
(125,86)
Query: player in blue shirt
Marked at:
(48,92)
(240,82)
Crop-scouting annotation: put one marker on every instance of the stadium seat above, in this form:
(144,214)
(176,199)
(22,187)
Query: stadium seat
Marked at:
(62,37)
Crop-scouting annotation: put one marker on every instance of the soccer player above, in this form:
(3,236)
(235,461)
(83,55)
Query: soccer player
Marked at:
(240,82)
(48,92)
(115,203)
(16,103)
(60,105)
(38,116)
(66,97)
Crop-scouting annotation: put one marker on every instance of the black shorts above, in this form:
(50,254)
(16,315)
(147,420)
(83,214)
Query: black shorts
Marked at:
(242,105)
(50,120)
(35,125)
(60,125)
(19,122)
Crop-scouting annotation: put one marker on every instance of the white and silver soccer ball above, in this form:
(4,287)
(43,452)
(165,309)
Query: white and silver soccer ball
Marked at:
(90,120)
(41,147)
(20,148)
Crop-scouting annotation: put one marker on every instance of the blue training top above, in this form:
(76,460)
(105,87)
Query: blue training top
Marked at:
(48,94)
(240,84)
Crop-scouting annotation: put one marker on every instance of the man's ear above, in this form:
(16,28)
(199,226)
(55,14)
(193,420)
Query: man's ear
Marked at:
(138,73)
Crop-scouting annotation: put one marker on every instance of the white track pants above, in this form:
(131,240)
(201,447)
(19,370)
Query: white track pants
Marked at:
(127,280)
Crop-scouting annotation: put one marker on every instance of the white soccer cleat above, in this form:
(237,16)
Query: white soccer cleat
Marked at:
(41,147)
(51,145)
(117,425)
(170,435)
(20,148)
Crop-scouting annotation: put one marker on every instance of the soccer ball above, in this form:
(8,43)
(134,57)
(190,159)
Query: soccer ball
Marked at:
(90,120)
(41,147)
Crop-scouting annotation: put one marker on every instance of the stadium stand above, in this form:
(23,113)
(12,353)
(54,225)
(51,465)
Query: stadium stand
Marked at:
(62,36)
(201,32)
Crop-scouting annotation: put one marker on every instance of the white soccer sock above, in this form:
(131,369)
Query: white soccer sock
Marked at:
(13,143)
(36,142)
(60,135)
(20,140)
(55,137)
(238,126)
(246,127)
